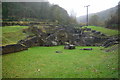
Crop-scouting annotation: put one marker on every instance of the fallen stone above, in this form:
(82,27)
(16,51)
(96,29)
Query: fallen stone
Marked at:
(69,47)
(97,32)
(54,43)
(58,51)
(88,29)
(103,34)
(93,31)
(86,49)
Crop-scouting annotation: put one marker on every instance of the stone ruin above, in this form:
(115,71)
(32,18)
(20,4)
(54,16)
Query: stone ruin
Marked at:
(58,35)
(13,48)
(69,46)
(86,49)
(111,41)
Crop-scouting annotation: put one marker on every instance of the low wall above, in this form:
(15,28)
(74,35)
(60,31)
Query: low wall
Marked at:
(13,48)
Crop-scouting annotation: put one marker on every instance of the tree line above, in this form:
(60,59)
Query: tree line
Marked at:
(112,22)
(16,11)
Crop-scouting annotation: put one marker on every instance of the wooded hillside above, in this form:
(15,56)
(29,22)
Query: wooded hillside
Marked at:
(107,18)
(27,11)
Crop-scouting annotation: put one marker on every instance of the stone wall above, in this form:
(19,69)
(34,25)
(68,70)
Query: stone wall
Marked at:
(32,41)
(59,36)
(13,48)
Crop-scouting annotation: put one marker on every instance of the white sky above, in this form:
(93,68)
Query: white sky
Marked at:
(77,6)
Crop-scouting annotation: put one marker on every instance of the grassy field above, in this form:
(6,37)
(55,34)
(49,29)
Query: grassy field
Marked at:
(44,62)
(106,31)
(12,34)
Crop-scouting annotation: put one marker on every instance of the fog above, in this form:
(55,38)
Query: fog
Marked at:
(77,6)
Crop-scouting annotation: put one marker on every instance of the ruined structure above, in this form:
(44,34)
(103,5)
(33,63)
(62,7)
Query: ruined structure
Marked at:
(13,48)
(60,35)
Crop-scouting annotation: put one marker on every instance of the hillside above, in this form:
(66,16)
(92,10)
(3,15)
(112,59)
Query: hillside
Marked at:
(12,34)
(106,31)
(35,11)
(103,15)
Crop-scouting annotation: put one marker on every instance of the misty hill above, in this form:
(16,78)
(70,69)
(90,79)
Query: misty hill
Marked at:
(103,15)
(29,11)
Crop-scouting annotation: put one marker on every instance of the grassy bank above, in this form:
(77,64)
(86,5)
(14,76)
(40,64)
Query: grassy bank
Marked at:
(106,31)
(44,62)
(12,34)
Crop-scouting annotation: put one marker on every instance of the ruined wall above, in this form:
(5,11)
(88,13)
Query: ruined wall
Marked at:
(13,48)
(59,36)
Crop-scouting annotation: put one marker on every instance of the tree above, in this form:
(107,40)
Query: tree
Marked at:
(36,10)
(113,21)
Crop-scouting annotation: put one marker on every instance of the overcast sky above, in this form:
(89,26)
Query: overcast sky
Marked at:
(77,6)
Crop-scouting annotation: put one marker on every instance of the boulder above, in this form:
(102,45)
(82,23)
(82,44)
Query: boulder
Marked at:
(76,31)
(103,34)
(54,43)
(50,43)
(97,32)
(88,29)
(93,31)
(32,41)
(69,47)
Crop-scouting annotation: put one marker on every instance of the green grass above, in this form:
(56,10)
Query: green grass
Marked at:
(12,34)
(43,62)
(6,29)
(106,31)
